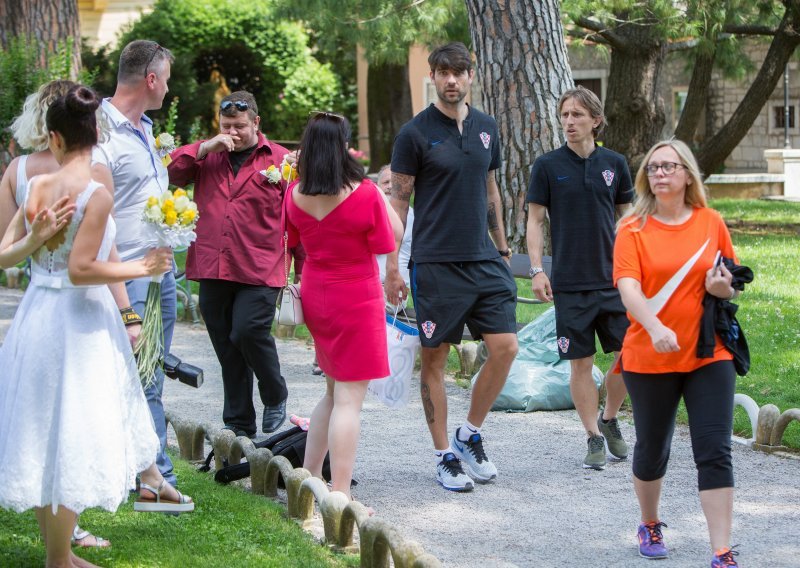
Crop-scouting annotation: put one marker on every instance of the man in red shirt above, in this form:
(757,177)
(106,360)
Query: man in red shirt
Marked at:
(238,257)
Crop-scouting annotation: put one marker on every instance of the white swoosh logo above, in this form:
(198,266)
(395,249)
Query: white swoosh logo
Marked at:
(656,302)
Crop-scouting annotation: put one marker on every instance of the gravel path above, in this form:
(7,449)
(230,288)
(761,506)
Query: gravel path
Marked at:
(544,510)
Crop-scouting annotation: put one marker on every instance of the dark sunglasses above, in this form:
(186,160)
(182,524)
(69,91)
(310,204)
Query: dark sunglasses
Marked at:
(241,106)
(152,56)
(326,114)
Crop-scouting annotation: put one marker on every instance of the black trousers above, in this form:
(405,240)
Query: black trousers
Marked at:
(239,320)
(708,395)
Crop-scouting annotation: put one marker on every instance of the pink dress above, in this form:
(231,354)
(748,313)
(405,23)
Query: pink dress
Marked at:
(341,288)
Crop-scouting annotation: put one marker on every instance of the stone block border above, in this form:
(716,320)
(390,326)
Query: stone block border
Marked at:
(768,424)
(379,541)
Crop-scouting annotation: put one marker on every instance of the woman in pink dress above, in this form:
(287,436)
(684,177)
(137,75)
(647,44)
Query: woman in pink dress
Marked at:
(343,221)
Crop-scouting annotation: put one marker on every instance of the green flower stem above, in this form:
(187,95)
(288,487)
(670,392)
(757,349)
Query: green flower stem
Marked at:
(150,344)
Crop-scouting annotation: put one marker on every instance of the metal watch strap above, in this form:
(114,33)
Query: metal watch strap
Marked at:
(535,270)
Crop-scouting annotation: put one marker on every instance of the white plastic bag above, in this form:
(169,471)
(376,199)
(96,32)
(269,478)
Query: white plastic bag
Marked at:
(403,343)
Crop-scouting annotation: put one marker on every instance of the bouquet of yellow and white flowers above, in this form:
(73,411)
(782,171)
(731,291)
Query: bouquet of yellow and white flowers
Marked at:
(170,220)
(286,172)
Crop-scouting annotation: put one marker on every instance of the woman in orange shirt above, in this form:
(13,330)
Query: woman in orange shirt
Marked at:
(665,260)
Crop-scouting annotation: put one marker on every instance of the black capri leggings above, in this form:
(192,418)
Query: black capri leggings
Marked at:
(708,395)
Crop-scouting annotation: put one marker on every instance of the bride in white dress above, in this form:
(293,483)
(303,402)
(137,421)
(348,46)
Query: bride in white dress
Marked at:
(66,366)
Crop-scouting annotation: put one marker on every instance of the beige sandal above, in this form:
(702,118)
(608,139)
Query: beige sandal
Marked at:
(157,504)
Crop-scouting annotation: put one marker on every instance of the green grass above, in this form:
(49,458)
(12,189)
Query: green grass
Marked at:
(230,527)
(759,212)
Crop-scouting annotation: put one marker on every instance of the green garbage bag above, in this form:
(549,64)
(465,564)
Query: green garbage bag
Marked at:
(538,379)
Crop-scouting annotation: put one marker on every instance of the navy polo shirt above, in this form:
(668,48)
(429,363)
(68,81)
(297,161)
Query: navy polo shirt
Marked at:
(580,195)
(450,170)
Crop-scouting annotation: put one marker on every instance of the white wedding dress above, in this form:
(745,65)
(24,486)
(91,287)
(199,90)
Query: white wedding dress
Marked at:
(75,428)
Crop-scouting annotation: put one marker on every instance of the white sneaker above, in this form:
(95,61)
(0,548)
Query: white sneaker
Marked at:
(451,475)
(474,457)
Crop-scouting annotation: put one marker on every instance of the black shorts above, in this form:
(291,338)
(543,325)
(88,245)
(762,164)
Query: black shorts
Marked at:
(481,294)
(579,315)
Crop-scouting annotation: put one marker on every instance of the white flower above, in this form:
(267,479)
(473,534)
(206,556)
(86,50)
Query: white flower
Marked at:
(165,142)
(181,203)
(153,214)
(272,174)
(164,196)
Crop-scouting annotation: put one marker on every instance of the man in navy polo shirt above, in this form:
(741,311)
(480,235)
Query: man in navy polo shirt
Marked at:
(447,156)
(584,187)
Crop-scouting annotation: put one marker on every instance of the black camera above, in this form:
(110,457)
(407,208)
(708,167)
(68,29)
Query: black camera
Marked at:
(188,374)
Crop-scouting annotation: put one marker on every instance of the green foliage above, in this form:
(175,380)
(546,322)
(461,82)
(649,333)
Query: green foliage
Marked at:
(700,21)
(384,28)
(250,47)
(23,73)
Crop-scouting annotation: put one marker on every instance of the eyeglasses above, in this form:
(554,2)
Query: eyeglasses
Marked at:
(667,167)
(326,114)
(241,106)
(152,56)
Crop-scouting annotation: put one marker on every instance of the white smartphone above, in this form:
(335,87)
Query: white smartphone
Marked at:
(717,259)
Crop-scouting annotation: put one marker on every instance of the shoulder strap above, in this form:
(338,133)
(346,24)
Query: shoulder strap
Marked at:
(21,190)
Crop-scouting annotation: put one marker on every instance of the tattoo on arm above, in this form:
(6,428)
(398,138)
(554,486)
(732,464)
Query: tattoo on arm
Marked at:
(491,217)
(427,403)
(402,186)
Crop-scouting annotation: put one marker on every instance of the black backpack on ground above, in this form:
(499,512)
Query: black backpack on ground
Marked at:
(290,444)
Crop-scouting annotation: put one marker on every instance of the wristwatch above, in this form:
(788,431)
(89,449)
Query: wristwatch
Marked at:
(506,253)
(535,270)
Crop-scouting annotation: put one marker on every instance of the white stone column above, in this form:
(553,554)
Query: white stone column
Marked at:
(786,162)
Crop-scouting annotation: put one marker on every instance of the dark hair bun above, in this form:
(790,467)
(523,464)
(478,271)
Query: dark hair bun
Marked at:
(82,100)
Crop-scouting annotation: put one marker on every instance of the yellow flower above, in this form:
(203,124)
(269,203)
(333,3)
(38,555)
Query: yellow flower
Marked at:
(166,160)
(170,217)
(169,205)
(158,142)
(188,216)
(288,172)
(152,201)
(178,193)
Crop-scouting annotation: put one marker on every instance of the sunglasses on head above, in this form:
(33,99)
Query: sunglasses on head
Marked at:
(326,114)
(152,56)
(241,106)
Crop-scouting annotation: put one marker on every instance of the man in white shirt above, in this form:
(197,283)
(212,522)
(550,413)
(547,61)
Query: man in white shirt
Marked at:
(126,161)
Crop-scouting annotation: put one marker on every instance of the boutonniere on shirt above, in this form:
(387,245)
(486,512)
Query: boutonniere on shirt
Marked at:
(286,172)
(165,144)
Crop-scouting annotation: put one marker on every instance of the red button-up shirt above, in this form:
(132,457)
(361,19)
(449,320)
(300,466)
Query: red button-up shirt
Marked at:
(239,235)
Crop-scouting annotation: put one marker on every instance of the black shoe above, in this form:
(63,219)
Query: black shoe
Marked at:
(274,417)
(239,432)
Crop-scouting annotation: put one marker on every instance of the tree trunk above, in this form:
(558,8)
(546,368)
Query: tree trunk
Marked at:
(696,97)
(712,154)
(523,70)
(48,22)
(389,108)
(634,108)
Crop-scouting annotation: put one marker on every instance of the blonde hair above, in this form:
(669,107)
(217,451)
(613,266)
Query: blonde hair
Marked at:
(29,128)
(644,204)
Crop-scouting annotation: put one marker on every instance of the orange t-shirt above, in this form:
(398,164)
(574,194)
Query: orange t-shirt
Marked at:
(670,262)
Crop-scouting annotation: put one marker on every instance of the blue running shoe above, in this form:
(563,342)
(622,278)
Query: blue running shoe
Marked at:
(651,541)
(451,475)
(474,457)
